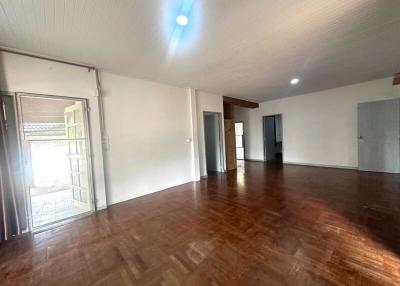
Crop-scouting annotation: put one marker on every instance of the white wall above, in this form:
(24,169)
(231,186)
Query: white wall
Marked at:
(191,93)
(207,102)
(318,128)
(29,75)
(148,125)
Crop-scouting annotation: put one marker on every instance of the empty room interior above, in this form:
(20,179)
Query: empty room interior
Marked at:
(199,142)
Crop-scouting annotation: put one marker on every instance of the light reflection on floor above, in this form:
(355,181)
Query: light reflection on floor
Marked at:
(240,166)
(240,173)
(51,207)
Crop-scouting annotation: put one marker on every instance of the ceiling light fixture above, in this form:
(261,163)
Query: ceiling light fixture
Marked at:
(294,81)
(182,20)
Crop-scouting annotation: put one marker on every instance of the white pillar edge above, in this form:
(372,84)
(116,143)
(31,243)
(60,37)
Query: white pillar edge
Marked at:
(191,93)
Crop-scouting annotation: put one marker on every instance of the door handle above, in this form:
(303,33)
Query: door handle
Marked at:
(361,137)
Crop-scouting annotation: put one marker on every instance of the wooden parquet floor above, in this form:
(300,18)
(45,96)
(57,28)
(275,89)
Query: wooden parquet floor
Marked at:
(266,224)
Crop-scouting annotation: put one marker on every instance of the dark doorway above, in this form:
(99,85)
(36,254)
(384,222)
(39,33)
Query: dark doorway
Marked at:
(273,138)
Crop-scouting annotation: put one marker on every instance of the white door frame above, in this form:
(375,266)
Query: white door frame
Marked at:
(27,194)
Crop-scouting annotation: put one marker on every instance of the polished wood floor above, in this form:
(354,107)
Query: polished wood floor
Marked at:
(267,224)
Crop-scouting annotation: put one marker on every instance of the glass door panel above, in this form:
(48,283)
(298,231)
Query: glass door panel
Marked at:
(57,161)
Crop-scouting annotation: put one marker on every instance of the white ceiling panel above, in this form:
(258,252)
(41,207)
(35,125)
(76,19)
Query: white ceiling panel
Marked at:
(248,49)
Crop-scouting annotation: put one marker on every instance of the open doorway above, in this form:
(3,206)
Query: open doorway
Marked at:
(57,165)
(239,139)
(272,126)
(213,141)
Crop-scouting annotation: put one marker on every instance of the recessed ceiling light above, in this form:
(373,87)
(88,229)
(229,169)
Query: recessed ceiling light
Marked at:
(182,20)
(294,81)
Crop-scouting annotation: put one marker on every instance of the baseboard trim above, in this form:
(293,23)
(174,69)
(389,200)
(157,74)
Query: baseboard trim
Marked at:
(254,160)
(308,164)
(320,165)
(100,208)
(148,193)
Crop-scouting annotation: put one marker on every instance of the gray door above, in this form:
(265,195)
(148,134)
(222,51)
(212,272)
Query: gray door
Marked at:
(212,138)
(269,138)
(378,136)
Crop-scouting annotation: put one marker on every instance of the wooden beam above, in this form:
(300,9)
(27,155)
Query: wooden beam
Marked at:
(229,111)
(230,144)
(396,79)
(240,102)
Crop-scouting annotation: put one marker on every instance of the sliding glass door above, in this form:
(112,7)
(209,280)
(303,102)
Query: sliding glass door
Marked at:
(56,156)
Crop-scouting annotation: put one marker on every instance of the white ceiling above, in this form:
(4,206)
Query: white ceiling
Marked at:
(248,49)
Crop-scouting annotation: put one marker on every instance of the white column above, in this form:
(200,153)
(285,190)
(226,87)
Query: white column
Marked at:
(194,134)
